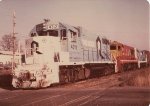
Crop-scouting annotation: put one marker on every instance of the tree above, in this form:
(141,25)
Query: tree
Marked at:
(7,43)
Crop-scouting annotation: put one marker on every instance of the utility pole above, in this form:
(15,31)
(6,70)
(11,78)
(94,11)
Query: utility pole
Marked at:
(13,38)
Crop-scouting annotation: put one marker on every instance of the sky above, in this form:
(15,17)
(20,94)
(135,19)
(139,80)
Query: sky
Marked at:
(126,21)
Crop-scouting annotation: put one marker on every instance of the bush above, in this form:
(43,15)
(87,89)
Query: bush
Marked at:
(139,79)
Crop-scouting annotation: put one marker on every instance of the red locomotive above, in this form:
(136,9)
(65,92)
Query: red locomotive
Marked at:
(127,57)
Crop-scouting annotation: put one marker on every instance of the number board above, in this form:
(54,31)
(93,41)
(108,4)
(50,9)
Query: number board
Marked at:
(51,26)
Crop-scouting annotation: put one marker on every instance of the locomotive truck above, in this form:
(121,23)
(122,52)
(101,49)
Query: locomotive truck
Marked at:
(61,53)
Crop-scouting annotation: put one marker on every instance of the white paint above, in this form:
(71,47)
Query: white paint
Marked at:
(88,43)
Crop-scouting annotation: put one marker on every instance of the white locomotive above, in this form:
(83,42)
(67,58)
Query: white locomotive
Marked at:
(60,53)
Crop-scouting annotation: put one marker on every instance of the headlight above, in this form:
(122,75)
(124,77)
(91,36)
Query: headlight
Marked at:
(24,76)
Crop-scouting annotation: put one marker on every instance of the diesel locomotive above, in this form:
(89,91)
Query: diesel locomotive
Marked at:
(60,53)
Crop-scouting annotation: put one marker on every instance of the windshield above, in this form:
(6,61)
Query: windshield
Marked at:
(52,32)
(48,33)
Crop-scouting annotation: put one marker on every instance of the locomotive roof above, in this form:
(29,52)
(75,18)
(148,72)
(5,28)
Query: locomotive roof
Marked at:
(121,44)
(84,33)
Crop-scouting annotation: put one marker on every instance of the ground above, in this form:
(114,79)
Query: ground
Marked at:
(111,90)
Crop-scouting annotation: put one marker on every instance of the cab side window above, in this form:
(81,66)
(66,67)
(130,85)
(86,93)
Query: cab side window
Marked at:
(63,34)
(132,52)
(73,35)
(113,47)
(119,48)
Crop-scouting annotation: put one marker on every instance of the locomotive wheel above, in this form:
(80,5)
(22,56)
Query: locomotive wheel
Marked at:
(87,73)
(108,70)
(81,75)
(73,75)
(121,69)
(135,66)
(76,75)
(69,75)
(64,76)
(125,67)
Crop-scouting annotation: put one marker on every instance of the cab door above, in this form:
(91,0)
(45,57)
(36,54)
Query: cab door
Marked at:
(64,40)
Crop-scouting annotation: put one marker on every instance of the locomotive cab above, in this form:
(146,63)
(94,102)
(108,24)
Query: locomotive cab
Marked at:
(115,49)
(121,51)
(52,38)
